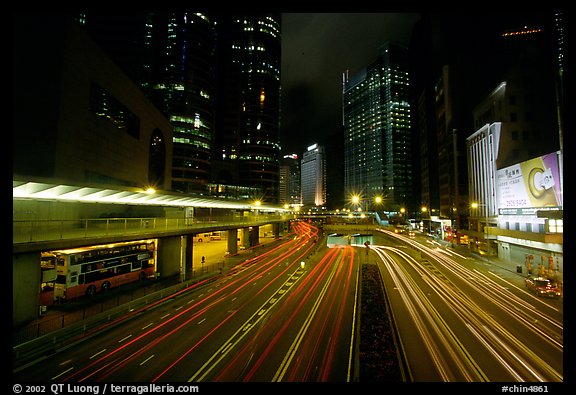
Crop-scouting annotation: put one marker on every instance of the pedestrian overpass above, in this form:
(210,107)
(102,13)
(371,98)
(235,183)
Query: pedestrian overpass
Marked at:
(48,216)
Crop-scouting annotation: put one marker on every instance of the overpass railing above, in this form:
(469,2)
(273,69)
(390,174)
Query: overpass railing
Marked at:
(27,231)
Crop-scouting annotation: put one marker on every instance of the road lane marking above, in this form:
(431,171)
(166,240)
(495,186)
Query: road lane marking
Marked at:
(303,329)
(221,353)
(98,353)
(63,373)
(147,359)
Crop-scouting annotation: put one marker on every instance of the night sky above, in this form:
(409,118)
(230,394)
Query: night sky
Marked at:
(316,50)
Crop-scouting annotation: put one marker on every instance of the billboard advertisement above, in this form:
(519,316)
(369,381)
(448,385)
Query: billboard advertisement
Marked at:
(529,186)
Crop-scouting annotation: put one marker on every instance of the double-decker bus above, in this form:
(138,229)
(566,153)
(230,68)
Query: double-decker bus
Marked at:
(89,270)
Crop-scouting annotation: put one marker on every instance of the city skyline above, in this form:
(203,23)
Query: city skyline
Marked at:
(443,179)
(461,115)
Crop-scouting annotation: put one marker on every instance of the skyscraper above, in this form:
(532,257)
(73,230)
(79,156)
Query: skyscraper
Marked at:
(171,57)
(216,77)
(290,192)
(313,177)
(248,103)
(377,140)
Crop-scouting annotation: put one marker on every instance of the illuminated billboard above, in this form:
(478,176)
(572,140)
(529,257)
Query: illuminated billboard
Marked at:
(529,186)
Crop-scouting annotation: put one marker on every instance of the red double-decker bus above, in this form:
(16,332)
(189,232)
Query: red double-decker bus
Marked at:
(69,274)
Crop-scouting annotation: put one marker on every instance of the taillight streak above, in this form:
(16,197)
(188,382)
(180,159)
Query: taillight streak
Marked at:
(267,266)
(315,276)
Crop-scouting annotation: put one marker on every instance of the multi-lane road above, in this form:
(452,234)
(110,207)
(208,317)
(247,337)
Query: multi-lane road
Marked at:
(286,315)
(460,320)
(291,314)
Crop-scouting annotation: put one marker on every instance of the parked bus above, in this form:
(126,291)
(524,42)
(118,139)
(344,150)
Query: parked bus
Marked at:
(89,270)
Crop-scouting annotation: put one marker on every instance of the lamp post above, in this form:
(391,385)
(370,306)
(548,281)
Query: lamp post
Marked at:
(475,205)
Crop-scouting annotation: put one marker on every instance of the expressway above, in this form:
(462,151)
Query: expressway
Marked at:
(285,315)
(290,315)
(461,322)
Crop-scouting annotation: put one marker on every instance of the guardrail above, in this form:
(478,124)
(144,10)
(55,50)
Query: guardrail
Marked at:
(48,344)
(26,231)
(31,350)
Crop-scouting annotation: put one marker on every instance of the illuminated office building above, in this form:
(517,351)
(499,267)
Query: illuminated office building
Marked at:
(290,192)
(313,177)
(171,57)
(216,77)
(377,139)
(248,102)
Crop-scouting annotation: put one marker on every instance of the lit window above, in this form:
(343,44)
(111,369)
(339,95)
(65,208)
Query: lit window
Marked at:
(556,226)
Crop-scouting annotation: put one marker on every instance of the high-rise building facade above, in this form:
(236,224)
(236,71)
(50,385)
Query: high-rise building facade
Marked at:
(377,131)
(457,60)
(92,123)
(248,102)
(216,77)
(313,177)
(182,85)
(290,192)
(171,57)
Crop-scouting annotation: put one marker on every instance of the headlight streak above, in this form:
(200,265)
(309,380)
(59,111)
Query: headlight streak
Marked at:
(473,312)
(205,309)
(470,313)
(459,301)
(399,278)
(497,299)
(518,358)
(465,308)
(501,301)
(494,353)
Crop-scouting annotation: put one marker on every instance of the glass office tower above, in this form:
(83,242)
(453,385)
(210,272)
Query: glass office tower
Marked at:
(377,133)
(248,103)
(313,177)
(171,56)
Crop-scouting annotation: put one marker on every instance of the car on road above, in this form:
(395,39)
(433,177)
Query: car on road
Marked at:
(215,236)
(202,237)
(542,287)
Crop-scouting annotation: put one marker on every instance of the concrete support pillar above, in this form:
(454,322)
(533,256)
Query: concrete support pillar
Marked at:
(254,236)
(245,237)
(171,254)
(25,287)
(188,255)
(233,241)
(276,229)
